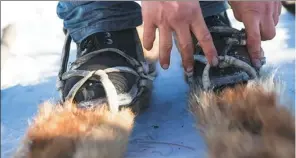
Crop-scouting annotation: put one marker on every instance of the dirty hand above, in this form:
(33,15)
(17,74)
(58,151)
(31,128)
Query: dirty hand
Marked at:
(181,18)
(260,19)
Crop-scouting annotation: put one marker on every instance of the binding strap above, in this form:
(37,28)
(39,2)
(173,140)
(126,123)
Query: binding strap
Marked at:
(114,100)
(233,37)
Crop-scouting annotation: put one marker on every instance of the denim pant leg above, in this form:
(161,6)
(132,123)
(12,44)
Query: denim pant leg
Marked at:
(83,18)
(210,8)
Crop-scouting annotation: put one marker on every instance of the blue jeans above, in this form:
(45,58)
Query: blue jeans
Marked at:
(83,18)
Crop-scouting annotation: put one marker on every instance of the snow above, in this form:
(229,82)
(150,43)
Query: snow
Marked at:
(166,129)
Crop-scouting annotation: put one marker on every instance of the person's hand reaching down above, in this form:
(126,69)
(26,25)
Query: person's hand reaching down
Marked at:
(180,17)
(260,19)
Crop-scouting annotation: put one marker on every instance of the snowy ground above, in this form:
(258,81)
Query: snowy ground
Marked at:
(28,78)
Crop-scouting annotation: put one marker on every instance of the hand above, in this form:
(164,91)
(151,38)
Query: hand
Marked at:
(260,19)
(180,17)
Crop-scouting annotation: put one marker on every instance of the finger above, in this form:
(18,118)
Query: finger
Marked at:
(267,28)
(148,35)
(204,38)
(185,46)
(280,8)
(276,12)
(252,26)
(165,46)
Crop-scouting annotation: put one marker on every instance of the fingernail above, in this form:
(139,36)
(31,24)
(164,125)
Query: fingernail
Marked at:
(189,69)
(165,66)
(189,73)
(257,63)
(215,61)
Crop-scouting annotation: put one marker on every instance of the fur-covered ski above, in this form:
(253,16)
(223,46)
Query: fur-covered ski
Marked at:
(247,121)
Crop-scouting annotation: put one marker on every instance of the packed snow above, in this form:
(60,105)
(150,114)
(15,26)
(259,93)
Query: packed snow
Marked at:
(166,129)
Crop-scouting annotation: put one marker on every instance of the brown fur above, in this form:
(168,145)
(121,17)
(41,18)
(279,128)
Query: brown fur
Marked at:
(245,122)
(64,131)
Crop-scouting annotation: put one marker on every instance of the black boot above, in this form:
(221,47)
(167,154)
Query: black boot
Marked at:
(231,47)
(119,55)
